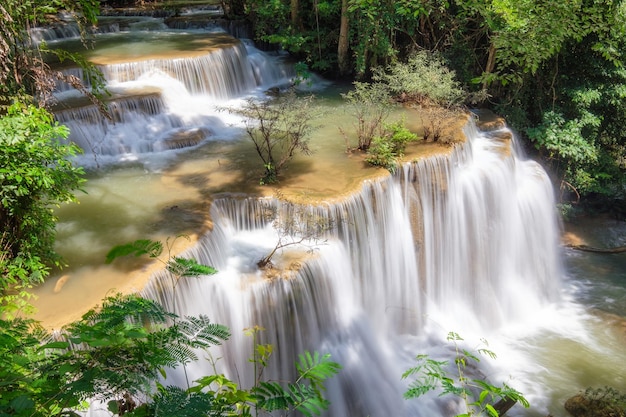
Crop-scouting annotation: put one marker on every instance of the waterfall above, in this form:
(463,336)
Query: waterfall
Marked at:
(461,242)
(161,105)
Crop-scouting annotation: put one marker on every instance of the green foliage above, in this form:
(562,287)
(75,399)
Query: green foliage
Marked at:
(563,139)
(23,385)
(179,267)
(581,135)
(114,352)
(279,128)
(305,394)
(423,80)
(302,31)
(478,395)
(370,104)
(24,73)
(387,149)
(137,248)
(35,176)
(375,23)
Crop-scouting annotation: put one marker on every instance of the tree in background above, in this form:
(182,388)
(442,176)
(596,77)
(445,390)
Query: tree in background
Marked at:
(24,74)
(528,56)
(35,172)
(35,176)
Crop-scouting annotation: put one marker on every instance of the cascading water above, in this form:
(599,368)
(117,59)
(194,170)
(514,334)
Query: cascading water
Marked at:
(166,103)
(442,245)
(463,242)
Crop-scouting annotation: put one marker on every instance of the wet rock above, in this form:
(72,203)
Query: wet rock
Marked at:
(273,92)
(186,138)
(58,286)
(603,402)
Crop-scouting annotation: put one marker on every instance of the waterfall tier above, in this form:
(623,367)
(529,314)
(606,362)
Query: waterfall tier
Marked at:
(464,242)
(170,101)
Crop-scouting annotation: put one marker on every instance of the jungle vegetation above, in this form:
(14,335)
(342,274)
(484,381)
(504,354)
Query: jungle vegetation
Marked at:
(554,70)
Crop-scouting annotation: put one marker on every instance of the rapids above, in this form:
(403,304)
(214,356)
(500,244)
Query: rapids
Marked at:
(465,240)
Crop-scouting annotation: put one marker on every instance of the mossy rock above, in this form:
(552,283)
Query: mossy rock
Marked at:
(602,402)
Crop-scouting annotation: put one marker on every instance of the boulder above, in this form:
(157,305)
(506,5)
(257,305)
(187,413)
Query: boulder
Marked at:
(603,402)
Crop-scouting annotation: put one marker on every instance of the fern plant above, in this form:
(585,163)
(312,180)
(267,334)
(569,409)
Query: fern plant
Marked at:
(178,266)
(305,394)
(480,397)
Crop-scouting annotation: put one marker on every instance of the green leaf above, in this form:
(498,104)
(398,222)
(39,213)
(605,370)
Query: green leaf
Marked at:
(137,248)
(113,406)
(201,333)
(182,267)
(307,400)
(22,403)
(492,411)
(316,368)
(56,345)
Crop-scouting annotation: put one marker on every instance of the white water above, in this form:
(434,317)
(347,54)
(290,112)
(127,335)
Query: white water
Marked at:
(445,245)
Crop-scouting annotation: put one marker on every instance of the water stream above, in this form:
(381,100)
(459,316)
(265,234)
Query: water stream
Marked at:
(465,240)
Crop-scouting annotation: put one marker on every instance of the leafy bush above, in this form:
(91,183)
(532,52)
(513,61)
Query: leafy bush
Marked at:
(424,80)
(386,149)
(279,128)
(35,176)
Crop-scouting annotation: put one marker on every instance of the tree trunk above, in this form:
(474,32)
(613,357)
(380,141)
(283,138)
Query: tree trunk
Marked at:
(491,62)
(295,15)
(343,58)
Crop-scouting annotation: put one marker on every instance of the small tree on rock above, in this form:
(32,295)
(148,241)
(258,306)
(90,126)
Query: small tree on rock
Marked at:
(279,128)
(296,226)
(371,105)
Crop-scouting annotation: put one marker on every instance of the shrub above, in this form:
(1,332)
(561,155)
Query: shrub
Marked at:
(370,103)
(35,175)
(424,80)
(387,148)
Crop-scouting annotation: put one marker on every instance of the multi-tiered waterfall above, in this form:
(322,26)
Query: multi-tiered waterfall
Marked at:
(445,244)
(464,241)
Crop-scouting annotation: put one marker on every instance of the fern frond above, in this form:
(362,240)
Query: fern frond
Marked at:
(137,248)
(316,368)
(201,333)
(174,401)
(271,396)
(117,309)
(183,267)
(181,354)
(307,399)
(429,374)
